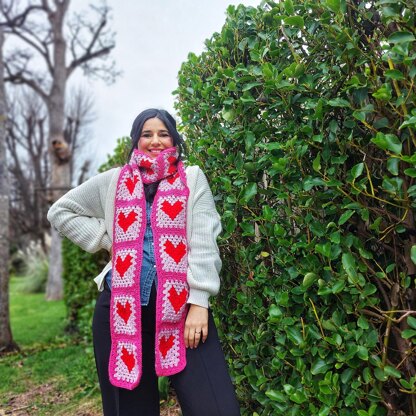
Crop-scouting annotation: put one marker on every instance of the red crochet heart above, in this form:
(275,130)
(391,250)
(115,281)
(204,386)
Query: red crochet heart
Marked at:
(131,183)
(175,252)
(177,299)
(172,209)
(166,344)
(128,358)
(172,167)
(173,178)
(123,265)
(148,166)
(124,311)
(125,222)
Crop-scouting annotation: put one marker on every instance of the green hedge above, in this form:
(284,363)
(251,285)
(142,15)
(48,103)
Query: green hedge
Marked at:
(302,114)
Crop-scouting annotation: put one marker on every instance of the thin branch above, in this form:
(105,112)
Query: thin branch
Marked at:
(20,78)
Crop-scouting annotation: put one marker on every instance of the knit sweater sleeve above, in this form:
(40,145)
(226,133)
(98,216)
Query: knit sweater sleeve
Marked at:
(79,214)
(203,257)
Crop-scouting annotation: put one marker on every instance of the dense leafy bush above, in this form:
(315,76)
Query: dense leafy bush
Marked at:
(80,291)
(302,114)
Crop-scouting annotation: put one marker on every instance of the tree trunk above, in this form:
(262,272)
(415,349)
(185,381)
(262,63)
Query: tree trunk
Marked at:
(6,338)
(59,149)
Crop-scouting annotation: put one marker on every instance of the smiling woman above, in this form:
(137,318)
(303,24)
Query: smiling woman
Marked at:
(152,317)
(154,138)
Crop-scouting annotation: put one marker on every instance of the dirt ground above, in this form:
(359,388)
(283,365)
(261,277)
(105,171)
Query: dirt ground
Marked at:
(45,399)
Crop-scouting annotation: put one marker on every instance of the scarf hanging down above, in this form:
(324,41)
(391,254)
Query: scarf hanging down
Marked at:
(168,222)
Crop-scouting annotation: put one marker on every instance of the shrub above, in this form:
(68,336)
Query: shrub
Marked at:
(302,115)
(32,266)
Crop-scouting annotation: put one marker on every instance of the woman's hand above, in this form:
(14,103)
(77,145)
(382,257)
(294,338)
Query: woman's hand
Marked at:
(196,326)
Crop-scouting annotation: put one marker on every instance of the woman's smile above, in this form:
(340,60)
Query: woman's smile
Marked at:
(154,138)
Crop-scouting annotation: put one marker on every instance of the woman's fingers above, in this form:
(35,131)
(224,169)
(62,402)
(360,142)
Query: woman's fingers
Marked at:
(196,326)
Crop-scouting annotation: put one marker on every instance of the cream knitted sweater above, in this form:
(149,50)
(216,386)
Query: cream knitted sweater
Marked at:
(85,216)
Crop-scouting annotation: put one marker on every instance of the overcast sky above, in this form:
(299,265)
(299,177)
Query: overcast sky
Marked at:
(153,38)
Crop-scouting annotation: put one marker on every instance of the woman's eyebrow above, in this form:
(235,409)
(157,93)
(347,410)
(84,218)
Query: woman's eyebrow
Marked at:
(149,131)
(159,131)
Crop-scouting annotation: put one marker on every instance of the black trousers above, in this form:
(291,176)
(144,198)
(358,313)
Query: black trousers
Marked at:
(204,387)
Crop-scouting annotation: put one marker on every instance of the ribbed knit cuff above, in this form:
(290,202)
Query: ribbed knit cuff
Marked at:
(106,242)
(198,297)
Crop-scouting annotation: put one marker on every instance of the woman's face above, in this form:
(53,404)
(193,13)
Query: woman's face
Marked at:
(154,138)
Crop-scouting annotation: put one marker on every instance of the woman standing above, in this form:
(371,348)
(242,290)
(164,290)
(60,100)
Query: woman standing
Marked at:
(152,317)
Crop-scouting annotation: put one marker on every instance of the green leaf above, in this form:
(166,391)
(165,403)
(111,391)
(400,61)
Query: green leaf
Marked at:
(410,172)
(380,375)
(409,122)
(251,85)
(309,279)
(393,165)
(362,353)
(296,21)
(413,254)
(391,371)
(345,217)
(394,74)
(309,183)
(388,142)
(275,312)
(363,323)
(339,102)
(411,321)
(294,335)
(350,266)
(289,7)
(357,170)
(338,286)
(320,367)
(334,5)
(346,375)
(324,249)
(250,191)
(408,333)
(401,37)
(383,93)
(298,397)
(228,115)
(277,396)
(250,139)
(317,163)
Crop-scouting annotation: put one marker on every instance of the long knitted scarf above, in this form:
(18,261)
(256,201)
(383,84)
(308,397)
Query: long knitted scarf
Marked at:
(168,221)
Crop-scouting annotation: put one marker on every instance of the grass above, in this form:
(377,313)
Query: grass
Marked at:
(51,375)
(33,320)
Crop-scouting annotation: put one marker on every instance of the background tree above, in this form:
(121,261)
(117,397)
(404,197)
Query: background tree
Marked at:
(88,41)
(6,338)
(303,115)
(27,145)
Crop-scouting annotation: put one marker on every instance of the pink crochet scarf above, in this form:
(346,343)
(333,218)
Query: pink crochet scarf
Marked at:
(168,221)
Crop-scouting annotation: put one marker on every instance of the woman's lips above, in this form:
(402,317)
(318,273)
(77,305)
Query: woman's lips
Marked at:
(154,152)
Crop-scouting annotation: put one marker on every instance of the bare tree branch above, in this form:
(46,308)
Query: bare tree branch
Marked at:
(100,43)
(23,78)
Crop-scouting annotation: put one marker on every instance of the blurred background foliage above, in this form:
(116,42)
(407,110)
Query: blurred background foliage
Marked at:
(302,114)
